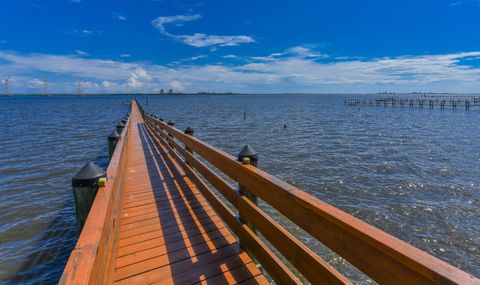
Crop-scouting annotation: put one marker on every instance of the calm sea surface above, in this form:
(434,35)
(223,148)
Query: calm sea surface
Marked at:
(413,173)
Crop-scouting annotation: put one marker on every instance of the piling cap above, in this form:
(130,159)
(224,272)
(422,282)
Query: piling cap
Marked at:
(124,121)
(121,125)
(189,131)
(249,152)
(113,136)
(88,175)
(170,123)
(161,119)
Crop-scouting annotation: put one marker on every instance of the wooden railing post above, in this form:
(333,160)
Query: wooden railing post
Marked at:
(248,156)
(191,132)
(171,124)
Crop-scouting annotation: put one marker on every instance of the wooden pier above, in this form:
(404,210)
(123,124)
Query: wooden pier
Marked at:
(430,102)
(160,220)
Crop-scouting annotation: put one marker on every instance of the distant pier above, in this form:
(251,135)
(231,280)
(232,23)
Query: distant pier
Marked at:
(428,102)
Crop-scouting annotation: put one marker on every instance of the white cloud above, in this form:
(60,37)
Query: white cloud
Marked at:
(81,32)
(35,83)
(125,55)
(288,71)
(138,78)
(177,85)
(198,39)
(88,86)
(160,22)
(194,58)
(81,52)
(297,51)
(118,16)
(229,56)
(203,40)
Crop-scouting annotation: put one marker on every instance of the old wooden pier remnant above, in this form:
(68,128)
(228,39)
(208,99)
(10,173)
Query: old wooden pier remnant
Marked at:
(430,102)
(166,216)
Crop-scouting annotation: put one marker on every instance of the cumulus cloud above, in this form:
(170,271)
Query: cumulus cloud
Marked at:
(292,69)
(35,83)
(138,78)
(177,85)
(197,39)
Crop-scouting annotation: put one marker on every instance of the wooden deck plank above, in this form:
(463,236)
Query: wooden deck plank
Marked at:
(157,242)
(168,231)
(181,271)
(236,275)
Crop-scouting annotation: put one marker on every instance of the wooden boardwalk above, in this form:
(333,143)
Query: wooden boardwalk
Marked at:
(165,216)
(168,232)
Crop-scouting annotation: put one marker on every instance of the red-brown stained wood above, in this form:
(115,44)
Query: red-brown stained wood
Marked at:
(157,221)
(151,217)
(383,257)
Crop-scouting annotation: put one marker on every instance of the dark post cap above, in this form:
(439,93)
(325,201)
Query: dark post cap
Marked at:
(113,136)
(120,125)
(170,123)
(124,121)
(161,119)
(189,131)
(88,175)
(248,151)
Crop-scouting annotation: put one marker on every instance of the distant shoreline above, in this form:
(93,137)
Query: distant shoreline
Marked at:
(231,93)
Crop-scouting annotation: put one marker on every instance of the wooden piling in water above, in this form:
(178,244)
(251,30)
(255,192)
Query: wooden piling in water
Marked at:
(85,186)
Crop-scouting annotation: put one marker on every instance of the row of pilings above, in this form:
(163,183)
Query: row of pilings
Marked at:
(441,102)
(91,177)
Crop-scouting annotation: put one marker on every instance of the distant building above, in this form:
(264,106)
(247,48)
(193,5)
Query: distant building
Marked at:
(170,91)
(162,91)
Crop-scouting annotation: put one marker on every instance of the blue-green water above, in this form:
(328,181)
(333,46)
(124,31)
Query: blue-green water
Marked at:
(413,173)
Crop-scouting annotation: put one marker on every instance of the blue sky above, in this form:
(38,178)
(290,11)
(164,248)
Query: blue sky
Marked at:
(241,46)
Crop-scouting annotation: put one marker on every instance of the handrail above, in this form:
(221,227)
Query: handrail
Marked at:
(91,261)
(303,258)
(379,255)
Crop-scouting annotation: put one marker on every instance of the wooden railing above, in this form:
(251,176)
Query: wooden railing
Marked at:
(377,254)
(92,259)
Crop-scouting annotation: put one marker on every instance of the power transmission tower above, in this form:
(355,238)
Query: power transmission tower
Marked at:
(79,87)
(6,83)
(45,86)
